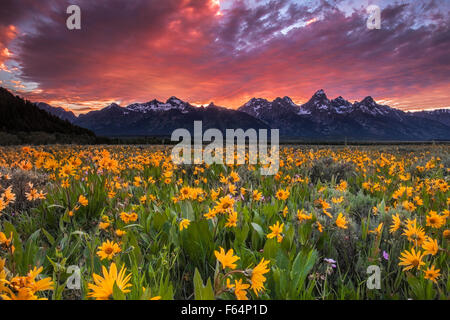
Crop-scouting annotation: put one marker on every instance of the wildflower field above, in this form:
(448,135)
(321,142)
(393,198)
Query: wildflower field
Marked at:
(123,222)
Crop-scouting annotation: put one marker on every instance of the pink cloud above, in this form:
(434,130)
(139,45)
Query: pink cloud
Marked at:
(140,50)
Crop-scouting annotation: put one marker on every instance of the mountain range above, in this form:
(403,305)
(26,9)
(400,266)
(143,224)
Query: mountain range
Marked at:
(320,118)
(339,119)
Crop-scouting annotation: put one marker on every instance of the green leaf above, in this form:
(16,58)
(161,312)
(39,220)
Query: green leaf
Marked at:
(49,237)
(258,229)
(118,293)
(187,212)
(270,249)
(31,249)
(421,288)
(197,243)
(201,291)
(301,267)
(242,233)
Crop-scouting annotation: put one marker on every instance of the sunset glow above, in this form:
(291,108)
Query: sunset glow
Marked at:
(225,52)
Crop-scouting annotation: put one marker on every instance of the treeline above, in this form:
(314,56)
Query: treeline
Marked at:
(160,140)
(39,138)
(22,122)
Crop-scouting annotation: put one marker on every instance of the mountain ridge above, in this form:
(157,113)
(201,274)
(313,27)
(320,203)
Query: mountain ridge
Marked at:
(318,118)
(339,119)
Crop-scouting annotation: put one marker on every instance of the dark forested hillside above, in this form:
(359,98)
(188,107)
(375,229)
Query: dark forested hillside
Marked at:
(21,118)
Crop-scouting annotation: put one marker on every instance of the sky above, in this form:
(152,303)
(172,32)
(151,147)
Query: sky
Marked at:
(225,51)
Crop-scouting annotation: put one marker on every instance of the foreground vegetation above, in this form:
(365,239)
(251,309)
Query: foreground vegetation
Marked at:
(138,227)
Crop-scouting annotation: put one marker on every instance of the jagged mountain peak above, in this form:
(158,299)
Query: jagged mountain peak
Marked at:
(341,106)
(154,101)
(369,106)
(340,100)
(320,93)
(286,100)
(112,105)
(158,106)
(255,106)
(174,100)
(256,100)
(368,101)
(319,102)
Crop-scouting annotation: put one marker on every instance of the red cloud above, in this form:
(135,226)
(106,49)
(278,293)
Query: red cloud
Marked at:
(140,50)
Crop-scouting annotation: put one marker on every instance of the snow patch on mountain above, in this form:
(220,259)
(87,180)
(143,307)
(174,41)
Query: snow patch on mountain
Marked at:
(158,106)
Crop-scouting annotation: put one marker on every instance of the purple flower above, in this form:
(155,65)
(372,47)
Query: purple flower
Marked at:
(331,262)
(385,255)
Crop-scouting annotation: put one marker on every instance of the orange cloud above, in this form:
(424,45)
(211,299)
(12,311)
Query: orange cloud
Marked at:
(158,49)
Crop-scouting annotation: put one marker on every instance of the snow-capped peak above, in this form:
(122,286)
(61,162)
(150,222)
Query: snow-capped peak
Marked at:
(341,106)
(320,93)
(174,100)
(155,105)
(254,101)
(341,101)
(288,100)
(254,106)
(369,106)
(318,102)
(368,101)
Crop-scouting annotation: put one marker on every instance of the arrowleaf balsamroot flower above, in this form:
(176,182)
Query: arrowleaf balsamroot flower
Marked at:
(277,231)
(432,274)
(282,194)
(226,259)
(240,289)
(446,234)
(120,233)
(2,205)
(83,201)
(41,285)
(430,246)
(224,204)
(257,276)
(232,219)
(341,222)
(102,288)
(23,288)
(256,195)
(108,250)
(411,259)
(435,220)
(337,200)
(378,230)
(128,217)
(184,224)
(3,280)
(303,216)
(396,223)
(414,233)
(6,243)
(319,226)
